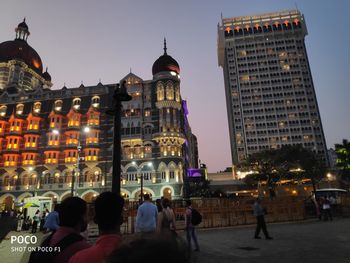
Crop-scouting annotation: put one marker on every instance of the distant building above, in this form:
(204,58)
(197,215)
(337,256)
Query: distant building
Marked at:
(50,137)
(270,95)
(332,157)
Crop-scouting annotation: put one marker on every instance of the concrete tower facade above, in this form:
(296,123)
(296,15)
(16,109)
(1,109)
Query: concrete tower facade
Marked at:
(270,96)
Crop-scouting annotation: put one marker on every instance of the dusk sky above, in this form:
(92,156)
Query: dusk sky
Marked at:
(84,41)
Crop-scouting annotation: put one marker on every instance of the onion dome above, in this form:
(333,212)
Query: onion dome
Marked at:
(165,63)
(46,75)
(19,49)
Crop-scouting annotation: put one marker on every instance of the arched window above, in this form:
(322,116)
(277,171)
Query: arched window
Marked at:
(160,91)
(95,101)
(19,109)
(169,91)
(58,105)
(3,110)
(76,103)
(37,107)
(177,93)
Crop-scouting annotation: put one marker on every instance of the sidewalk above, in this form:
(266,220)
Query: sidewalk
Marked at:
(310,241)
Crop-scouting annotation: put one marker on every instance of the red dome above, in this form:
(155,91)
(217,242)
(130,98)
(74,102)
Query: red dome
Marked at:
(165,63)
(19,49)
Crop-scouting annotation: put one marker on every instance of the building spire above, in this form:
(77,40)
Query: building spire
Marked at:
(22,31)
(165,47)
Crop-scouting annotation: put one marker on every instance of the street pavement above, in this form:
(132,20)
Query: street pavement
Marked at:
(305,241)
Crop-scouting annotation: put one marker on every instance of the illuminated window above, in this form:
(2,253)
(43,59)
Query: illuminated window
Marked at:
(51,157)
(169,91)
(2,126)
(29,159)
(31,141)
(54,139)
(15,125)
(55,121)
(37,107)
(95,101)
(92,137)
(160,91)
(147,113)
(74,121)
(10,160)
(70,156)
(3,110)
(72,138)
(91,154)
(177,93)
(13,142)
(19,109)
(58,105)
(244,78)
(94,119)
(76,103)
(33,124)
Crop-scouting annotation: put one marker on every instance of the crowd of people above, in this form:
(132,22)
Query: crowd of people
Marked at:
(156,237)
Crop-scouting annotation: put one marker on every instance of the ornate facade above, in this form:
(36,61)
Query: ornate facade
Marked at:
(52,137)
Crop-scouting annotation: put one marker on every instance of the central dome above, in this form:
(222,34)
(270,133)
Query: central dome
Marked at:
(19,49)
(165,63)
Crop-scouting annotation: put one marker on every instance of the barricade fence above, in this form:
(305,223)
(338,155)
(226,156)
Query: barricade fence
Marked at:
(221,212)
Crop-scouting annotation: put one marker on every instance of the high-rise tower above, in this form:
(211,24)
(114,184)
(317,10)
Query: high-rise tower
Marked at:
(270,96)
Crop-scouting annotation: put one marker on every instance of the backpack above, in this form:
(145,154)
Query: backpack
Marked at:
(196,217)
(44,257)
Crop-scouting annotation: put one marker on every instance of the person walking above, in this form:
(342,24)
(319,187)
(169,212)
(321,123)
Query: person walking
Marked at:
(108,217)
(146,218)
(166,220)
(259,213)
(190,228)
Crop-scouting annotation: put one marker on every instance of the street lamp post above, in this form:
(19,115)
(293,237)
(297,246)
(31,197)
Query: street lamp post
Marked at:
(76,173)
(119,95)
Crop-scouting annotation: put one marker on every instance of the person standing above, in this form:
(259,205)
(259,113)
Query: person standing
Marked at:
(36,220)
(52,220)
(166,220)
(259,213)
(67,238)
(108,217)
(146,218)
(190,228)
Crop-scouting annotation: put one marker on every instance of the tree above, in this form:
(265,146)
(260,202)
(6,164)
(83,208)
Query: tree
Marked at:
(288,162)
(343,158)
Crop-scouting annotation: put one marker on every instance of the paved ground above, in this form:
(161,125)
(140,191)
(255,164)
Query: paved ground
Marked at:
(311,241)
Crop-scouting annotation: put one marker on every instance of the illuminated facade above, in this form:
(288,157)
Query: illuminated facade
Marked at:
(48,136)
(270,96)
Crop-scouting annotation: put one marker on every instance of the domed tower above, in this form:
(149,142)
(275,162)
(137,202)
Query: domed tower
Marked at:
(20,64)
(170,137)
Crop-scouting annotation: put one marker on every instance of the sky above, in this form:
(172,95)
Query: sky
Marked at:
(87,41)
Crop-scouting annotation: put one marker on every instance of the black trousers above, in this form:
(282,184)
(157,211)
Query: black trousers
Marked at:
(261,225)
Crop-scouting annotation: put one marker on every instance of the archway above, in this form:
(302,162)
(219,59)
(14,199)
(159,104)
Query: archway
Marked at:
(145,191)
(65,196)
(167,193)
(8,202)
(89,196)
